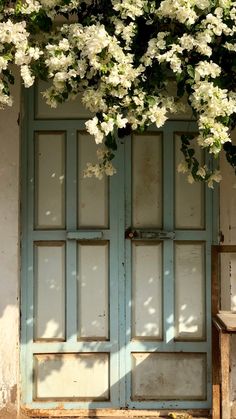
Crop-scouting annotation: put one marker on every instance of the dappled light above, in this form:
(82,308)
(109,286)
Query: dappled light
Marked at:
(116,307)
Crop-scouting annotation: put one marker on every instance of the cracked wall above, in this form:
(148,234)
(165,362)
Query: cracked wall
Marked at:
(9,258)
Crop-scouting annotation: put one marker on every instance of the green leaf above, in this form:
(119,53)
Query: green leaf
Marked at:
(191,152)
(151,100)
(8,74)
(180,89)
(40,69)
(110,142)
(40,22)
(191,71)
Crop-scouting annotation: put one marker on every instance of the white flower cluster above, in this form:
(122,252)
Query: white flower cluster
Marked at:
(15,48)
(104,167)
(126,31)
(32,6)
(202,173)
(182,10)
(211,102)
(121,62)
(204,70)
(101,130)
(129,8)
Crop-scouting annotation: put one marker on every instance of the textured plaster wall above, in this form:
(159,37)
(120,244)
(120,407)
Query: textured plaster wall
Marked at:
(228,277)
(9,258)
(10,267)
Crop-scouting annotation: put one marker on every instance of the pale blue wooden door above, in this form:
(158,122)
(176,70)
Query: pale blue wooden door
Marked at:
(70,276)
(116,273)
(167,289)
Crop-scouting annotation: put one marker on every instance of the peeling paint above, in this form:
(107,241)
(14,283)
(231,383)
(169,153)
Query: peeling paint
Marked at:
(13,394)
(9,258)
(3,395)
(9,412)
(9,270)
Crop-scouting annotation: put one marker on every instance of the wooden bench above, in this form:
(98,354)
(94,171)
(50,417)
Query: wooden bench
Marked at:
(224,324)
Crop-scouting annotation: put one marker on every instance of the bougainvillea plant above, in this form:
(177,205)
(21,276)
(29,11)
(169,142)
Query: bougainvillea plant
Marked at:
(122,56)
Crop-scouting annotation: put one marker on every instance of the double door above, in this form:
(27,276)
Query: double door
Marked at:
(116,273)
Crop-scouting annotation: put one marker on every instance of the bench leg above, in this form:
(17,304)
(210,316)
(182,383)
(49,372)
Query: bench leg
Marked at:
(225,388)
(215,374)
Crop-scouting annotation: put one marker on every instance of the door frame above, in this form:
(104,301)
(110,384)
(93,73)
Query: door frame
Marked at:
(117,201)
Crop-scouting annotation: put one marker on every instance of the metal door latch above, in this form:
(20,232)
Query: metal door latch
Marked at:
(149,234)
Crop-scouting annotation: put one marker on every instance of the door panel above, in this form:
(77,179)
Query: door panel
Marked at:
(72,376)
(116,273)
(90,190)
(49,291)
(93,291)
(189,198)
(168,376)
(147,290)
(49,180)
(190,285)
(147,180)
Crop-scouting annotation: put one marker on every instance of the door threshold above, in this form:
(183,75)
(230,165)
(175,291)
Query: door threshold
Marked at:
(115,413)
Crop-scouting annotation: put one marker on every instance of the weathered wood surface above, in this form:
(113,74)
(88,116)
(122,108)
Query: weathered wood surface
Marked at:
(225,384)
(112,413)
(215,375)
(224,324)
(227,321)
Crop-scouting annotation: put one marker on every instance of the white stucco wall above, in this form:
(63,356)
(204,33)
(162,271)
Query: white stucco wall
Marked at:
(10,267)
(9,258)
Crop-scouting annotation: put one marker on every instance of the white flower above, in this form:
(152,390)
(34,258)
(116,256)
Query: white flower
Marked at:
(157,114)
(182,167)
(107,126)
(64,45)
(215,177)
(94,100)
(3,63)
(206,69)
(109,169)
(27,75)
(230,47)
(92,128)
(95,39)
(14,33)
(5,100)
(201,172)
(190,178)
(95,170)
(181,10)
(98,170)
(187,42)
(129,8)
(30,6)
(121,122)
